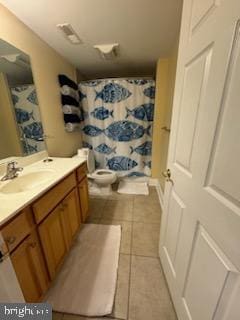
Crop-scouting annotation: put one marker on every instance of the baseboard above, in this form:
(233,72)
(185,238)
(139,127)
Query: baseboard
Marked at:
(160,194)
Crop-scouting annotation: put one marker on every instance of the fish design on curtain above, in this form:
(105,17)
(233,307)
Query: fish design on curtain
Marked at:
(119,131)
(113,92)
(117,124)
(28,118)
(143,112)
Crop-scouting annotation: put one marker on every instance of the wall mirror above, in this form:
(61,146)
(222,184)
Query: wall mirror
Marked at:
(21,131)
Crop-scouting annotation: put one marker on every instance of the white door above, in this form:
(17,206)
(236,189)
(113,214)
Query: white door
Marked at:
(200,231)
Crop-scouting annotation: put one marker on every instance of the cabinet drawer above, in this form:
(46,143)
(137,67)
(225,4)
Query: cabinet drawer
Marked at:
(82,172)
(16,230)
(46,203)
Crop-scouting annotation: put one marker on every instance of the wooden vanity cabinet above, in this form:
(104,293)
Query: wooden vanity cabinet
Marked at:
(58,230)
(30,268)
(39,237)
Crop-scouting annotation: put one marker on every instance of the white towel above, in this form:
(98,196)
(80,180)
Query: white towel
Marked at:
(71,110)
(68,91)
(70,127)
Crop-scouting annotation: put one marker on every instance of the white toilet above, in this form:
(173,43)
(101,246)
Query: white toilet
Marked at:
(100,180)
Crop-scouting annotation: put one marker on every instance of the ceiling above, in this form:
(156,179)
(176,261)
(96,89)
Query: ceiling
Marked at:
(145,30)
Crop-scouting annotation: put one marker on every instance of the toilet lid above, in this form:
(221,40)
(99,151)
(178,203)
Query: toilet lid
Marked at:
(90,162)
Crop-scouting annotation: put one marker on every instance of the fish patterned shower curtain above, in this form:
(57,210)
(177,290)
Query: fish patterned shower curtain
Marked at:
(28,118)
(117,124)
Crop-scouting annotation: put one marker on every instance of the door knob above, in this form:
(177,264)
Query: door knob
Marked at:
(166,129)
(167,176)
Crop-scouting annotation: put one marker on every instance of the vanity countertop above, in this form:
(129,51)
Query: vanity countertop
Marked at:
(12,203)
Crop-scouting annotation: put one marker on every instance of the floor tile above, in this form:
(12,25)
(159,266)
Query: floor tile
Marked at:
(57,316)
(91,219)
(96,207)
(118,210)
(98,196)
(152,197)
(120,309)
(146,211)
(126,235)
(145,239)
(149,296)
(121,196)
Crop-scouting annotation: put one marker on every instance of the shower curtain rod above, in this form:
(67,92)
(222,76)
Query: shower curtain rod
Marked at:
(121,78)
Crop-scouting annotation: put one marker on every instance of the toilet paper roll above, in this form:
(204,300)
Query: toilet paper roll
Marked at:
(83,152)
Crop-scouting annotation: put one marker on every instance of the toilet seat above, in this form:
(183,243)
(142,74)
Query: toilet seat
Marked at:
(102,174)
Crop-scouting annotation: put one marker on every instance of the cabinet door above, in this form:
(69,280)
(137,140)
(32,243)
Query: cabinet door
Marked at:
(72,214)
(53,238)
(30,268)
(84,201)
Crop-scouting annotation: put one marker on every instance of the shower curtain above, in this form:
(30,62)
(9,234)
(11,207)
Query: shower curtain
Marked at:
(28,118)
(117,124)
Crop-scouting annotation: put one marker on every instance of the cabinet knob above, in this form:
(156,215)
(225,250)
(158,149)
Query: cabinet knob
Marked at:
(63,206)
(33,244)
(10,240)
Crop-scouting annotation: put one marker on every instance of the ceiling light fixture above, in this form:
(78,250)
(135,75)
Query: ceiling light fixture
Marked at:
(107,51)
(69,33)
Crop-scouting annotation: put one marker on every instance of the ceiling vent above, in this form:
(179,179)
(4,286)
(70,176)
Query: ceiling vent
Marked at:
(107,51)
(69,33)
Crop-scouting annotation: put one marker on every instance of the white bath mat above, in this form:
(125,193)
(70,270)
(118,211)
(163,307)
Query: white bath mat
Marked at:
(130,187)
(87,281)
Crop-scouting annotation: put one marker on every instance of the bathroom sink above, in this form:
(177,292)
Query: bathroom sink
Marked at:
(27,181)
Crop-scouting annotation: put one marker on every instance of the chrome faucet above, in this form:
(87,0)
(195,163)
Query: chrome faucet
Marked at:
(12,171)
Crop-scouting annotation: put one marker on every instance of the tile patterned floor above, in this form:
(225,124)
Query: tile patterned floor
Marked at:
(141,292)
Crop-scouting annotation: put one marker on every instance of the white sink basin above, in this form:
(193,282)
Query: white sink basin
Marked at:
(27,181)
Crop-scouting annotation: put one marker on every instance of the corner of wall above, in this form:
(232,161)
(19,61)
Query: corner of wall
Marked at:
(161,101)
(165,83)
